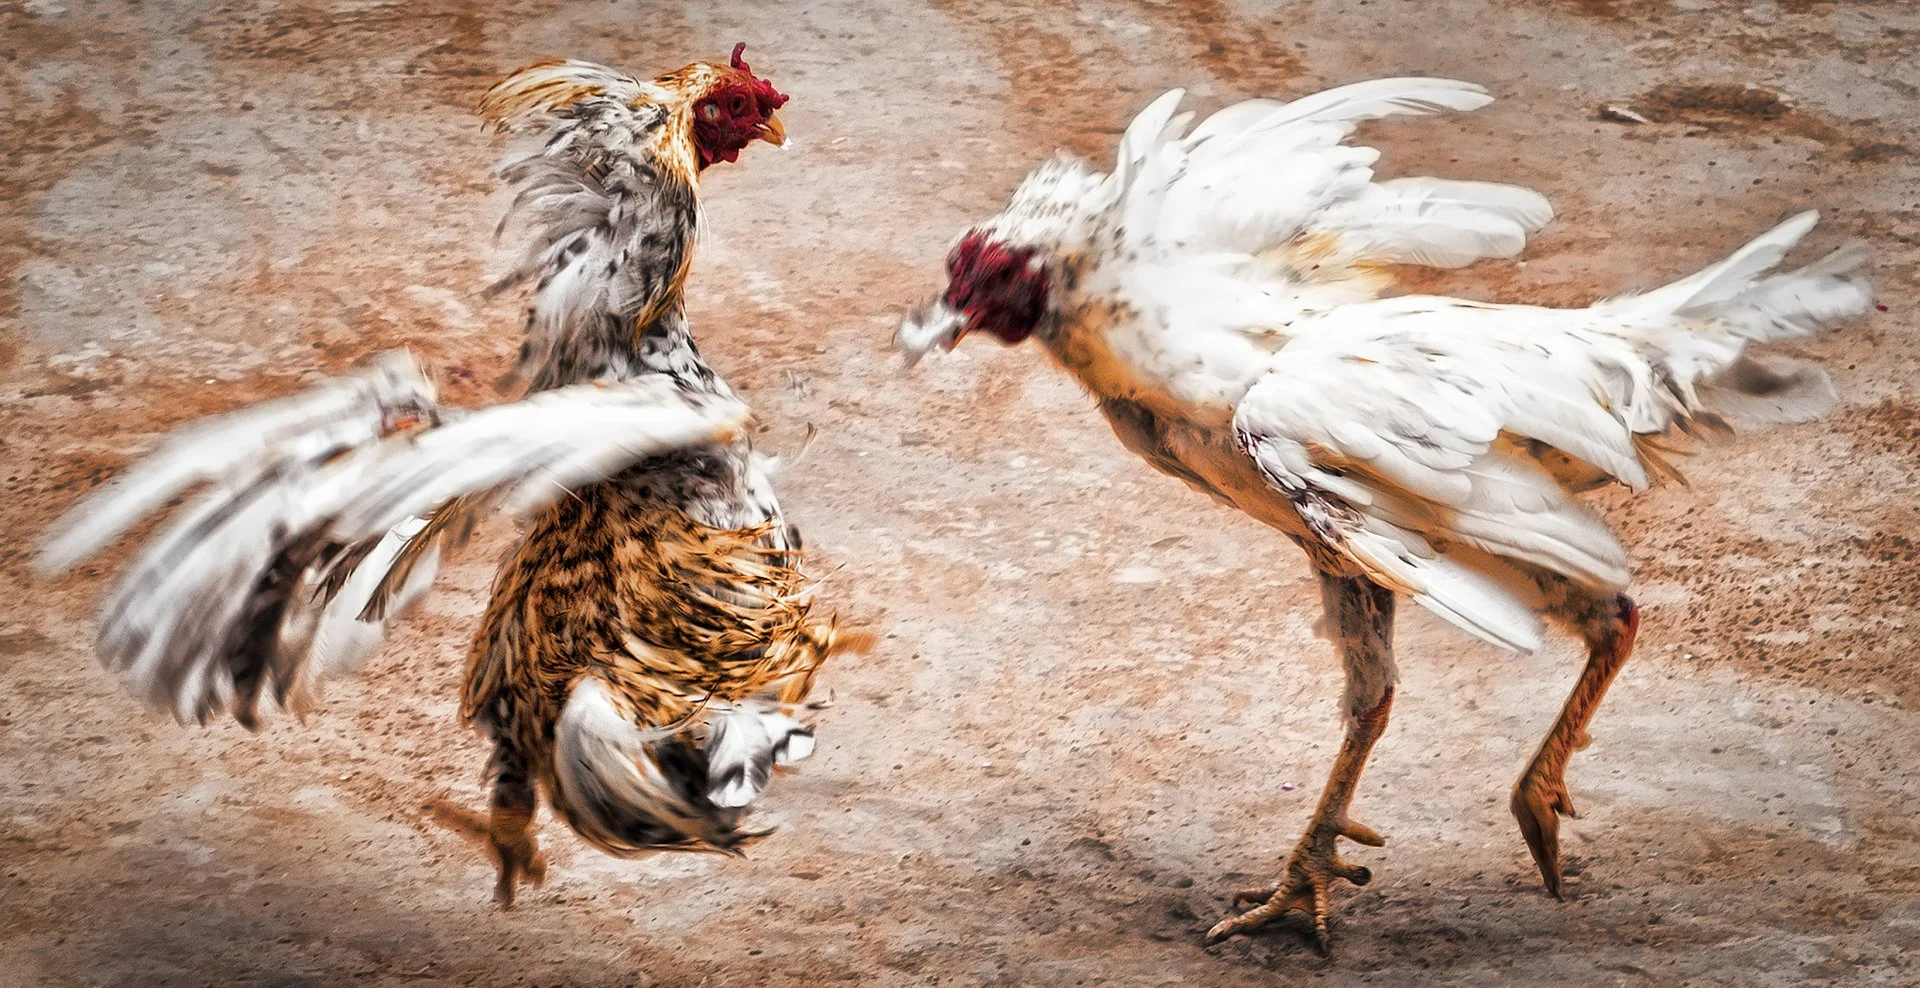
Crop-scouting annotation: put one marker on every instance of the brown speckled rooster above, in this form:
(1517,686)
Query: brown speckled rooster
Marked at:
(1220,294)
(649,638)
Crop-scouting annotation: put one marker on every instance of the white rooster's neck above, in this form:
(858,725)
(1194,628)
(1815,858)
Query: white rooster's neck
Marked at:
(1120,353)
(1054,210)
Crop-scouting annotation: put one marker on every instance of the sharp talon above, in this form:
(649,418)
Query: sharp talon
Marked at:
(1255,896)
(1358,875)
(1361,833)
(1234,925)
(1323,943)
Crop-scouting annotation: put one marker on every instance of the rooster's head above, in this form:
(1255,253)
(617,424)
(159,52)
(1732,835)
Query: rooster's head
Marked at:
(733,109)
(1003,275)
(993,287)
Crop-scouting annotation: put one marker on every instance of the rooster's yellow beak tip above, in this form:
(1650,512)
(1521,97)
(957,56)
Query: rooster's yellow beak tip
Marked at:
(774,132)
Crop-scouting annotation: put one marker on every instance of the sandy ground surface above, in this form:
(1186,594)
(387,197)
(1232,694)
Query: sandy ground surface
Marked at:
(1099,705)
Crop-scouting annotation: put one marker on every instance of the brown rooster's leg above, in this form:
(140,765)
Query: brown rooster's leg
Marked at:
(507,828)
(1540,797)
(1360,617)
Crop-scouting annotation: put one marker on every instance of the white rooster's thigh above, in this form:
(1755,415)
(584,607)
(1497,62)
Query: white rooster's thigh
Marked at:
(1358,620)
(1592,613)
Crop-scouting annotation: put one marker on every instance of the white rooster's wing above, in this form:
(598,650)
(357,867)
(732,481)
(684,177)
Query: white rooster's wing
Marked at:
(1260,175)
(1397,447)
(323,490)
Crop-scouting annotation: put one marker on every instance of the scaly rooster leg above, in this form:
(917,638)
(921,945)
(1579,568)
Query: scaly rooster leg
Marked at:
(507,829)
(1540,797)
(1360,616)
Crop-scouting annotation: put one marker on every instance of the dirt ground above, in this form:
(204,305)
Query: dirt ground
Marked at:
(1099,705)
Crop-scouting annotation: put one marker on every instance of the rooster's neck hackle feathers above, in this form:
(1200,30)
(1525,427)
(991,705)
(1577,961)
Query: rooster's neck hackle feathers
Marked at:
(1051,209)
(609,197)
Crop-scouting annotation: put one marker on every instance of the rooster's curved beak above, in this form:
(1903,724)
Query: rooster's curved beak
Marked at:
(933,326)
(773,131)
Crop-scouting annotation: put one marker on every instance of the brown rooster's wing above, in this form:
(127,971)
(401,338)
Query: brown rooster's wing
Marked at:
(216,607)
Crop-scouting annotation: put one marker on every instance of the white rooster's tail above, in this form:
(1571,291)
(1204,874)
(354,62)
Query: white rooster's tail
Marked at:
(1738,296)
(1701,324)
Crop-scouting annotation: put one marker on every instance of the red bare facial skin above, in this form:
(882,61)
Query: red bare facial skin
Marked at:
(998,288)
(735,113)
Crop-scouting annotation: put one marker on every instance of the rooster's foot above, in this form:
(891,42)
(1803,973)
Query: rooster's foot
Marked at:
(1308,878)
(1539,801)
(513,848)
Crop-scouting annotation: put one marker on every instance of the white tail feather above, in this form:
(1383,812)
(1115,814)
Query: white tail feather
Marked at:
(613,785)
(744,742)
(1703,321)
(1737,273)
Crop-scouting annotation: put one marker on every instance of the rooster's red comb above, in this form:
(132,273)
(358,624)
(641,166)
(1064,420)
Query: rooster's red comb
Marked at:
(770,98)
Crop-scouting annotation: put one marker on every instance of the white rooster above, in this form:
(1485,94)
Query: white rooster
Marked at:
(1218,293)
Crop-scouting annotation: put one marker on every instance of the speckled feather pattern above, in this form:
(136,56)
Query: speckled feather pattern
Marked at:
(1218,293)
(649,643)
(677,583)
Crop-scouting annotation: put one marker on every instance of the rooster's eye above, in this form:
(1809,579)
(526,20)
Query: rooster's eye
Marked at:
(739,105)
(710,111)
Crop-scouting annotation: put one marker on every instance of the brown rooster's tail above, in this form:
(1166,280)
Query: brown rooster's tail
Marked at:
(629,789)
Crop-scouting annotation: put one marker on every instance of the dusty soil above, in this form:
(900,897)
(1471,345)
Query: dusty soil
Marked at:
(1099,705)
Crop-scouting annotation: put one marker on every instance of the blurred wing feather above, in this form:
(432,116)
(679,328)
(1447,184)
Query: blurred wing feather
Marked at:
(210,612)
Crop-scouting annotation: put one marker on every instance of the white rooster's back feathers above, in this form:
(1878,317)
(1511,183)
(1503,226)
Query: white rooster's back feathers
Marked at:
(1259,173)
(1435,222)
